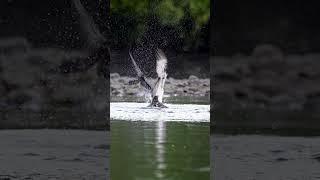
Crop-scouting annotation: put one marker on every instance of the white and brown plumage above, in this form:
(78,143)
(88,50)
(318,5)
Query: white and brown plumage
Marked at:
(157,90)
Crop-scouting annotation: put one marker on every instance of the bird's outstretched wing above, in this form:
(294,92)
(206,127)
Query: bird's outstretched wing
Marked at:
(141,77)
(89,29)
(136,67)
(97,48)
(161,68)
(161,64)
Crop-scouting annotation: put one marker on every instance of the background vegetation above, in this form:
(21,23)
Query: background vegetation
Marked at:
(179,24)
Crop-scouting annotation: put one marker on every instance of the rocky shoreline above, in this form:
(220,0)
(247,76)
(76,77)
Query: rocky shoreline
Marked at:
(266,89)
(35,94)
(268,78)
(193,86)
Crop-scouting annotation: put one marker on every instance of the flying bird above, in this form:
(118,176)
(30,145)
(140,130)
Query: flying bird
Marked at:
(157,90)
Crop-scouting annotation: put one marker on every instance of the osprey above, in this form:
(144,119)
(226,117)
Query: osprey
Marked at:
(158,89)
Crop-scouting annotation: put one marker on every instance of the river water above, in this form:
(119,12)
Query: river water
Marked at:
(38,154)
(164,144)
(265,157)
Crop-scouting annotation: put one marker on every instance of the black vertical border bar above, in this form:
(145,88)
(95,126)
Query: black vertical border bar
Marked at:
(211,54)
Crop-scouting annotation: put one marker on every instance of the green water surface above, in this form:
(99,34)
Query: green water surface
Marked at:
(159,150)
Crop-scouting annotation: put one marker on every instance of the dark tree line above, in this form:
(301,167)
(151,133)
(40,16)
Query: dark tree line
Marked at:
(182,25)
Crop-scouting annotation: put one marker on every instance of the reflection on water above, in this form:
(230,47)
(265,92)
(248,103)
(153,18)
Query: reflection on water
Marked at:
(159,150)
(160,140)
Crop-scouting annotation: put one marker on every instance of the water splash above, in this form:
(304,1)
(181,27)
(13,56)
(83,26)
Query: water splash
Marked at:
(174,112)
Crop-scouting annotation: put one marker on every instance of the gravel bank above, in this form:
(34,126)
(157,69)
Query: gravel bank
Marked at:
(267,78)
(35,93)
(193,86)
(266,89)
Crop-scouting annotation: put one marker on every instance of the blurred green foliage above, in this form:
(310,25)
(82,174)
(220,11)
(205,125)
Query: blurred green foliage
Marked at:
(187,18)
